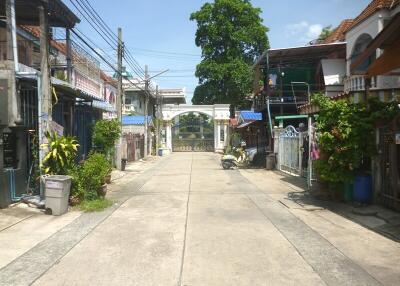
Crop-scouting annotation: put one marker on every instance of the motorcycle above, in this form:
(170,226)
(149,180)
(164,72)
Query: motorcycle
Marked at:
(230,161)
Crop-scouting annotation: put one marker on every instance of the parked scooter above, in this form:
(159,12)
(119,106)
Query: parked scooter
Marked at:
(229,162)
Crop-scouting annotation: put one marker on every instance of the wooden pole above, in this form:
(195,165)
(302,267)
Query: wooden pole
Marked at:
(146,100)
(46,97)
(69,55)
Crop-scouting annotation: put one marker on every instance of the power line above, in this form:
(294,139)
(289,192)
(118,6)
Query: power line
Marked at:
(99,25)
(107,62)
(166,52)
(92,23)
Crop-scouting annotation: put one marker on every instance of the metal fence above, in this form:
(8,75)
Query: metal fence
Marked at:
(289,154)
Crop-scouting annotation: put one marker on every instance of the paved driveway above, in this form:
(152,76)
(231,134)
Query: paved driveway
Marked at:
(193,223)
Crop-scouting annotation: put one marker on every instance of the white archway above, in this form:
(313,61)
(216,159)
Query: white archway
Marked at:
(219,113)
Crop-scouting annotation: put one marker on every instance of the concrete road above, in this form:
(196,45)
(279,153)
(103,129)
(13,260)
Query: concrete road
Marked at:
(192,223)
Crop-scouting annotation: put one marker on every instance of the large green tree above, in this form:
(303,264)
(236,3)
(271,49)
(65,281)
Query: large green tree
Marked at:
(231,36)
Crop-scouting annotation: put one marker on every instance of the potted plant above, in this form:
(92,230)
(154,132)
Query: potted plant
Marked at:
(95,170)
(59,159)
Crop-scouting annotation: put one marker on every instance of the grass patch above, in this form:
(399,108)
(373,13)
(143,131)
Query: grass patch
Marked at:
(95,205)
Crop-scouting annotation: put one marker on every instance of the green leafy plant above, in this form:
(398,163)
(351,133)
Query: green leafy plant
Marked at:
(61,153)
(92,175)
(347,135)
(77,185)
(105,134)
(231,36)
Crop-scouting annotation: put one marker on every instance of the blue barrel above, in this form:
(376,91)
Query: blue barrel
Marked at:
(362,189)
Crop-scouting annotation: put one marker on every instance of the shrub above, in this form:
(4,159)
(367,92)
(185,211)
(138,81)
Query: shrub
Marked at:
(92,173)
(347,135)
(77,188)
(105,133)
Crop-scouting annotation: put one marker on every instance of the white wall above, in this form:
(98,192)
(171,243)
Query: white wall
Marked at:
(334,70)
(371,26)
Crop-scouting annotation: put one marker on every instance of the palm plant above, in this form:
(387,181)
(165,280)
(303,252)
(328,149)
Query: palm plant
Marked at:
(61,153)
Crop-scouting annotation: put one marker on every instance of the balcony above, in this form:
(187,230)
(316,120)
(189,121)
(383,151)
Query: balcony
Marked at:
(129,108)
(292,96)
(357,83)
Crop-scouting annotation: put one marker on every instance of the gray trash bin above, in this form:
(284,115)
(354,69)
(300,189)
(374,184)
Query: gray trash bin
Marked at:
(270,163)
(57,193)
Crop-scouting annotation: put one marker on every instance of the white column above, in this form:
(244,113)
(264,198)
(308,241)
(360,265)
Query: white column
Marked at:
(219,135)
(226,135)
(168,135)
(215,135)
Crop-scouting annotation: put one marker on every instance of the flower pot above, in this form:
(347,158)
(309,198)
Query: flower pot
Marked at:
(108,179)
(74,201)
(102,191)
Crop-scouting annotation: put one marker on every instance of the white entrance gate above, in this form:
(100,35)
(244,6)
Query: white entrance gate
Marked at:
(290,151)
(218,112)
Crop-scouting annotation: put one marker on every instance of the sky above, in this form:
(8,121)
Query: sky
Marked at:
(158,33)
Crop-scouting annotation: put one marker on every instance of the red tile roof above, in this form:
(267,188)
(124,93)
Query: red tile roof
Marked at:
(373,7)
(338,34)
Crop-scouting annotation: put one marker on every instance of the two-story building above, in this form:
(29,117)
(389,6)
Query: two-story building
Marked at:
(61,89)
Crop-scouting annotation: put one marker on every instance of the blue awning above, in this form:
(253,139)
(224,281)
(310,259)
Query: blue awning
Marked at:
(248,115)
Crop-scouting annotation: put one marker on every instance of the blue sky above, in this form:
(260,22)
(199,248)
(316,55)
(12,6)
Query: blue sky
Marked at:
(158,32)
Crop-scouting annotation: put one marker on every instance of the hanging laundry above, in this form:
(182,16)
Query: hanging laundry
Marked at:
(272,79)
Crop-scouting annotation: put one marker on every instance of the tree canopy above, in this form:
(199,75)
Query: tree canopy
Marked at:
(325,33)
(231,36)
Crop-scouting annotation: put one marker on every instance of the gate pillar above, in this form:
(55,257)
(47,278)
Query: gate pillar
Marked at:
(168,134)
(221,133)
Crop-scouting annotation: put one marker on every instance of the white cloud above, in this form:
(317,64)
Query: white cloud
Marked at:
(314,31)
(303,31)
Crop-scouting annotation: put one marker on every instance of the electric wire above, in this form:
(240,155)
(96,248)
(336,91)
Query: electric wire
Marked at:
(99,25)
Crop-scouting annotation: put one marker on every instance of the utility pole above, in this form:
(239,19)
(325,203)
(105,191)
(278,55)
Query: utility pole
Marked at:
(119,99)
(158,120)
(146,98)
(120,91)
(44,91)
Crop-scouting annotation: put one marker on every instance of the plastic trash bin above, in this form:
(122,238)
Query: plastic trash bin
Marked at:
(270,161)
(348,192)
(362,189)
(57,190)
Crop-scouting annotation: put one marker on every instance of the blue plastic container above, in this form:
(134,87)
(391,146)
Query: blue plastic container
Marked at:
(362,189)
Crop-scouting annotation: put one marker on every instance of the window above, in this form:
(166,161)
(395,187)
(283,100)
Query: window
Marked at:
(222,135)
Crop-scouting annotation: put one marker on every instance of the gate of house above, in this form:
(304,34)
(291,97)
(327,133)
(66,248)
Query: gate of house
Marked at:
(135,146)
(193,133)
(390,170)
(290,152)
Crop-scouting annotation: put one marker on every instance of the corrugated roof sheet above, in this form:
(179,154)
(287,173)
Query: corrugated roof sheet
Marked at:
(250,115)
(135,120)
